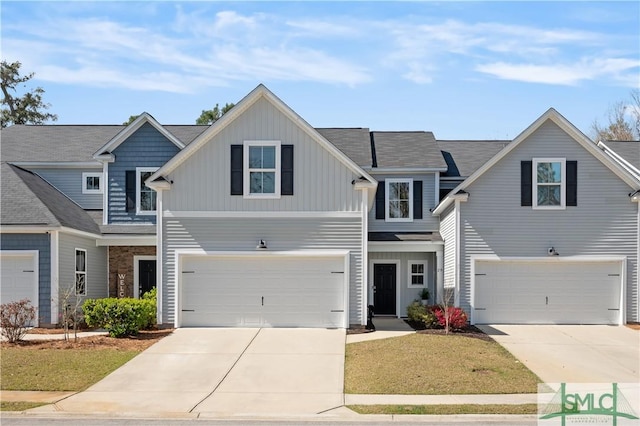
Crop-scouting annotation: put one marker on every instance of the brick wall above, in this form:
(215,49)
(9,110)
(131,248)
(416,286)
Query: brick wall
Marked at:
(121,260)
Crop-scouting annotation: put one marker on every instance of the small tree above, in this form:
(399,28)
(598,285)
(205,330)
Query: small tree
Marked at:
(210,116)
(446,304)
(16,318)
(71,314)
(26,109)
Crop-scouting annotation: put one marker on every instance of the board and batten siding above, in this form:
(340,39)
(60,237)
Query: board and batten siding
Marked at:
(428,221)
(280,234)
(147,147)
(407,294)
(321,181)
(96,279)
(69,182)
(603,223)
(448,234)
(42,244)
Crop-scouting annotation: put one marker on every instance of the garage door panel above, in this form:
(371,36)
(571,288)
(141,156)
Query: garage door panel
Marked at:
(564,292)
(263,291)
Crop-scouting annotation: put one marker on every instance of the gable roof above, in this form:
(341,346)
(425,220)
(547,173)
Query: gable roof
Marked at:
(355,143)
(406,150)
(124,134)
(463,157)
(550,115)
(29,200)
(260,92)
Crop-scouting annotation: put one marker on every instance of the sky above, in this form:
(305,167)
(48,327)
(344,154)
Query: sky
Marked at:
(463,70)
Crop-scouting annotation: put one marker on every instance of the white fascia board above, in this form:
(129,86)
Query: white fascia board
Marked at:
(158,185)
(464,197)
(26,229)
(127,240)
(405,246)
(105,158)
(263,253)
(259,92)
(125,133)
(624,163)
(58,164)
(405,170)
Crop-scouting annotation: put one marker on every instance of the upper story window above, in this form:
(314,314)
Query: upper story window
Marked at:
(262,169)
(81,272)
(92,183)
(399,200)
(145,196)
(549,183)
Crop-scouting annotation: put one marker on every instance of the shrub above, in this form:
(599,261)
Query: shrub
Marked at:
(417,312)
(16,318)
(457,317)
(120,317)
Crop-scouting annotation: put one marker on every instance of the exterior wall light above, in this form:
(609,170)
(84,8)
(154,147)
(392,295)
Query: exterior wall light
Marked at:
(262,245)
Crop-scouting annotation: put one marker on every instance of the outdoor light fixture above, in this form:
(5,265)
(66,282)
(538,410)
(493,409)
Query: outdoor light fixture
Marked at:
(551,251)
(262,245)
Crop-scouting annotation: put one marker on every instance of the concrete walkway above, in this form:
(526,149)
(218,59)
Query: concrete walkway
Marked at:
(386,327)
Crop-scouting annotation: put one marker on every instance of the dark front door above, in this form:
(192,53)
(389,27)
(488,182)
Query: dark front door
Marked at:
(146,276)
(384,284)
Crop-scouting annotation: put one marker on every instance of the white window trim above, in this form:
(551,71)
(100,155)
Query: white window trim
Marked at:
(563,183)
(387,183)
(422,262)
(86,190)
(139,171)
(246,184)
(76,272)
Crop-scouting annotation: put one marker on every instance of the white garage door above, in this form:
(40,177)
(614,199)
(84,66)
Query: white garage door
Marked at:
(547,292)
(263,291)
(18,277)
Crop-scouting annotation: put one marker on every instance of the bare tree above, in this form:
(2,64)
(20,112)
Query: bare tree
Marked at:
(623,121)
(71,311)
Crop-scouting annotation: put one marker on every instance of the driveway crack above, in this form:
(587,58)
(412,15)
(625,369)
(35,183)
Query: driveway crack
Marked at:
(227,373)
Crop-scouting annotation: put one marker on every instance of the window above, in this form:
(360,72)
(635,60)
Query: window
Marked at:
(81,272)
(146,197)
(399,200)
(91,183)
(417,273)
(549,183)
(262,169)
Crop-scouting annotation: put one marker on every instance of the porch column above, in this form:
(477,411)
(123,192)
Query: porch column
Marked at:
(439,273)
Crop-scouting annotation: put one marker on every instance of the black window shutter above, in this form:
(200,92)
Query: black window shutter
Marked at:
(380,201)
(417,199)
(572,183)
(526,186)
(130,189)
(236,169)
(286,170)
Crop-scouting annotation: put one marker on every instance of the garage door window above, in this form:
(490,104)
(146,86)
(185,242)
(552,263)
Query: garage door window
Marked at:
(81,272)
(549,181)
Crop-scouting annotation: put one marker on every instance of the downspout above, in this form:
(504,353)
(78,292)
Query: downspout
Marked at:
(159,258)
(55,276)
(365,256)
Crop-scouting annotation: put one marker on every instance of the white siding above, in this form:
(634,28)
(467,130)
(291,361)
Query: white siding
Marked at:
(96,283)
(321,182)
(280,234)
(603,223)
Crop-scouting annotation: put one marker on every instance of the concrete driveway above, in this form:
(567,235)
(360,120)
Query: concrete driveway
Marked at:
(573,353)
(225,371)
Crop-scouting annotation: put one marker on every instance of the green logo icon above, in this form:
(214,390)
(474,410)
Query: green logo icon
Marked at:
(586,404)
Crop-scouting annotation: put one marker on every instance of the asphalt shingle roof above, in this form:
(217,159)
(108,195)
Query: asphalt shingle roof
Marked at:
(27,199)
(463,157)
(629,150)
(406,150)
(355,143)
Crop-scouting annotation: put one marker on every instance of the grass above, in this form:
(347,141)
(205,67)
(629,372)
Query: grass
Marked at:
(426,364)
(19,406)
(35,369)
(446,409)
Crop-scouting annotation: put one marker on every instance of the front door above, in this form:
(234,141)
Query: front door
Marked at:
(384,288)
(146,276)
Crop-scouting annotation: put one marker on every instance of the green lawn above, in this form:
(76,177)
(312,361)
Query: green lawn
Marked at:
(425,364)
(57,369)
(19,406)
(446,409)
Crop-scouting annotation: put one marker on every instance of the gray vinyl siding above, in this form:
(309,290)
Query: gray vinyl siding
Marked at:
(603,223)
(408,294)
(321,181)
(145,148)
(42,244)
(96,280)
(427,223)
(281,234)
(69,182)
(448,234)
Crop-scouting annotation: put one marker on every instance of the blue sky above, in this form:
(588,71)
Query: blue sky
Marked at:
(464,70)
